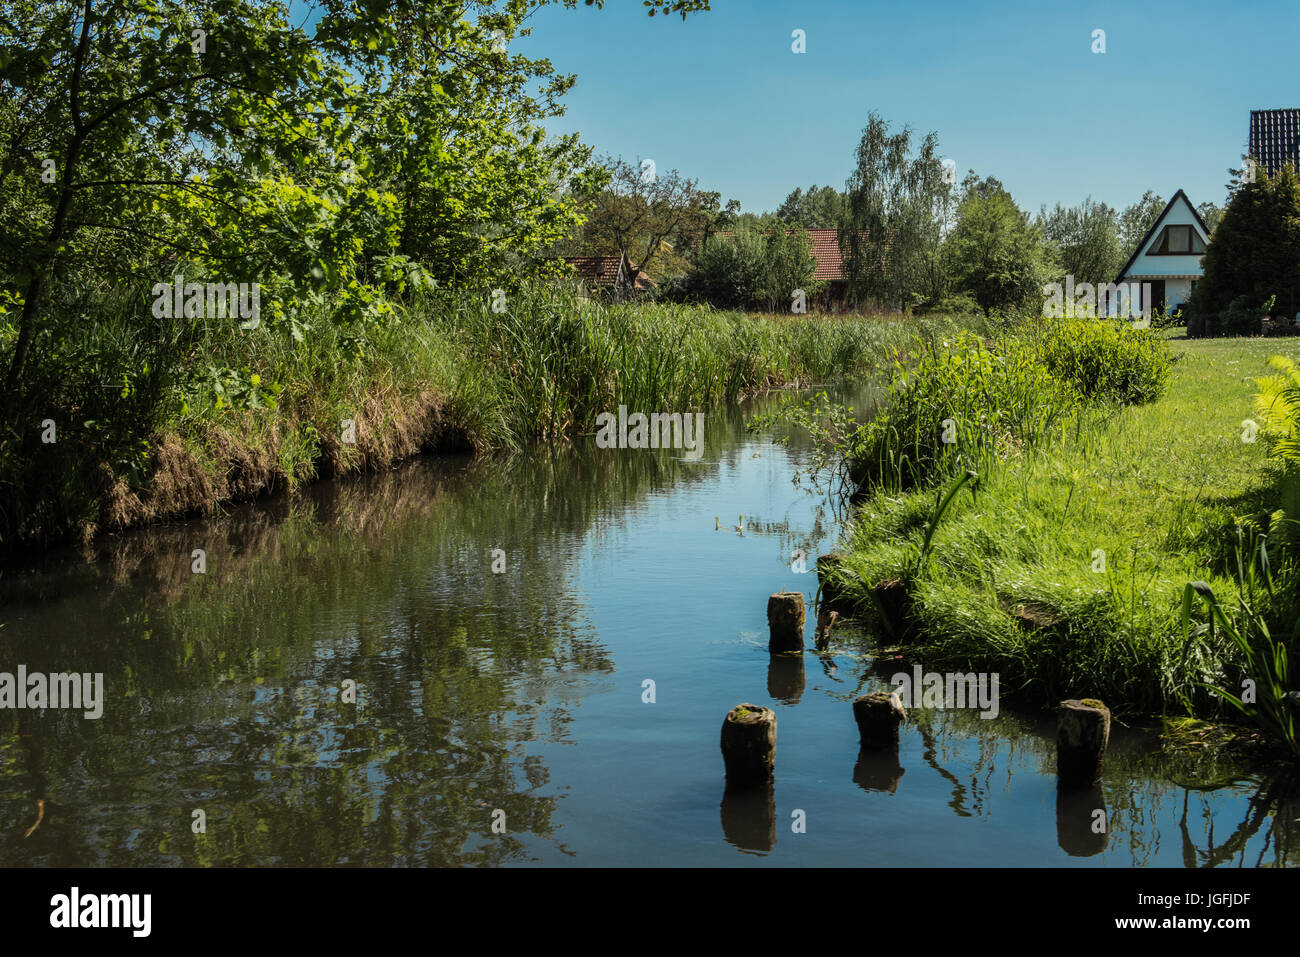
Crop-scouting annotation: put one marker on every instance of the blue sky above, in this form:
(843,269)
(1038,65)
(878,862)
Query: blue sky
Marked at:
(1012,88)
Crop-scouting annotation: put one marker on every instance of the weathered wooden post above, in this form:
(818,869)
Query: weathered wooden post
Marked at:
(1082,732)
(878,716)
(749,744)
(785,620)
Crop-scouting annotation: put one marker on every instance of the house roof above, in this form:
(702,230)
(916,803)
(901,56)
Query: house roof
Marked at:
(600,271)
(1275,138)
(1137,250)
(824,244)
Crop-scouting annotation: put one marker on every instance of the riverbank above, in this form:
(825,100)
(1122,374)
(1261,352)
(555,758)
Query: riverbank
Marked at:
(131,421)
(525,690)
(1066,570)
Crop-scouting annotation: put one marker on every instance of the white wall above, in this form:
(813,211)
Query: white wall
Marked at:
(1181,215)
(1177,291)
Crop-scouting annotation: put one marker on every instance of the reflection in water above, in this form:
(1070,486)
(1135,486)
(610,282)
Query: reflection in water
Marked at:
(520,692)
(786,678)
(1082,827)
(749,817)
(1276,804)
(878,769)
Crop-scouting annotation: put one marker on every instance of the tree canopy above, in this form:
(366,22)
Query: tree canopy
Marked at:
(391,141)
(1252,266)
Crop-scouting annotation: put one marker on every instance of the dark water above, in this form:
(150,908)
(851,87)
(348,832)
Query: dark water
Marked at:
(522,692)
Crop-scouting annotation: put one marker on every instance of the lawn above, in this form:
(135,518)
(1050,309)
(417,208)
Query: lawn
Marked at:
(1066,571)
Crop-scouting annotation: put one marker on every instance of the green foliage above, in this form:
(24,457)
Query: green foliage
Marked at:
(960,408)
(654,217)
(1252,267)
(897,205)
(1087,240)
(1273,704)
(331,163)
(1136,220)
(746,269)
(820,208)
(1278,404)
(169,413)
(997,256)
(729,272)
(1106,360)
(1067,575)
(790,265)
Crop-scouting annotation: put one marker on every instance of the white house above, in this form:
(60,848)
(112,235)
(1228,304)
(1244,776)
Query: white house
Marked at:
(1168,259)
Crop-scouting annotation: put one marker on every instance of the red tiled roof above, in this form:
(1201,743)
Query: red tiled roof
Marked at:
(825,245)
(602,271)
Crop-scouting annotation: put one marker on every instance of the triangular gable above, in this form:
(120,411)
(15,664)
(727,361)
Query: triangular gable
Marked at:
(1155,229)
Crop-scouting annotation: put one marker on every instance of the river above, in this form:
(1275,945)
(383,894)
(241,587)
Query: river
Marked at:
(347,681)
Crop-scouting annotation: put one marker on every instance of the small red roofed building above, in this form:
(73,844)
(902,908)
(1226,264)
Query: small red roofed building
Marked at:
(609,275)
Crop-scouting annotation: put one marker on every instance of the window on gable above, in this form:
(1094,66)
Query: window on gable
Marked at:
(1177,241)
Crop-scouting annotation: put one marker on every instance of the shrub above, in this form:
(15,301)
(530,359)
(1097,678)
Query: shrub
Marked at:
(752,270)
(960,408)
(729,272)
(1107,361)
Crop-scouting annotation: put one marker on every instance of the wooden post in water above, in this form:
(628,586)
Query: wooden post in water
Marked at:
(878,716)
(785,619)
(825,622)
(749,744)
(1082,732)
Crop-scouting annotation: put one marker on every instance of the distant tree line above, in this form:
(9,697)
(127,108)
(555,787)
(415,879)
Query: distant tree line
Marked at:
(911,236)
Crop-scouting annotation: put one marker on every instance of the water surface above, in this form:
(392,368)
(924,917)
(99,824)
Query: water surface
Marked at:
(524,691)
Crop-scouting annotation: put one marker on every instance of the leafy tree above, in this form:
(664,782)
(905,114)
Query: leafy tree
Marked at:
(1087,240)
(1137,219)
(1211,213)
(1254,260)
(650,215)
(752,269)
(998,257)
(893,224)
(822,207)
(790,265)
(220,137)
(729,271)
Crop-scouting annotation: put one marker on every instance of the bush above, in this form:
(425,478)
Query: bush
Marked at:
(957,409)
(961,304)
(1107,361)
(729,272)
(750,270)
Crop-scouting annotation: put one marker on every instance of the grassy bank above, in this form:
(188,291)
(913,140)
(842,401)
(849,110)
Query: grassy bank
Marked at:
(127,419)
(1065,570)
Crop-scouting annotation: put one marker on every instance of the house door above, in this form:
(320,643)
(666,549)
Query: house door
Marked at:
(1157,296)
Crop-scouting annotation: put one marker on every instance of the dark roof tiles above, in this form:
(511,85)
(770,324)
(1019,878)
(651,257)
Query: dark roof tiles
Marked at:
(1275,138)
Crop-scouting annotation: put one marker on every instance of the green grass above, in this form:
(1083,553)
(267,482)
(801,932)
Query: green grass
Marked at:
(163,419)
(1160,489)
